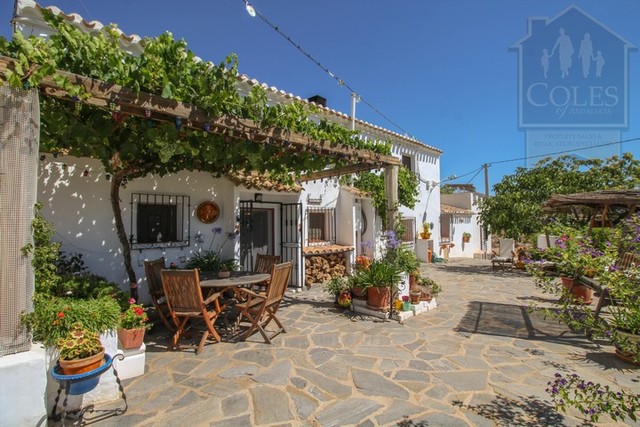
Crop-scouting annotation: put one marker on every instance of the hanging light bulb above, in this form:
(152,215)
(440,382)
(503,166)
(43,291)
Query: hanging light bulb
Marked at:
(207,127)
(250,10)
(178,123)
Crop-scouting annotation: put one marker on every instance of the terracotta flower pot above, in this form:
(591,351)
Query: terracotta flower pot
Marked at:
(359,293)
(79,366)
(131,338)
(379,298)
(415,296)
(578,291)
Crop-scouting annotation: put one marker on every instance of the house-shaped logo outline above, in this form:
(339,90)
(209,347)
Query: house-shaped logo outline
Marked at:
(518,47)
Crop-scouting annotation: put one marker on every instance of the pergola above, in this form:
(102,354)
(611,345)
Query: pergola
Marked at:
(20,127)
(606,207)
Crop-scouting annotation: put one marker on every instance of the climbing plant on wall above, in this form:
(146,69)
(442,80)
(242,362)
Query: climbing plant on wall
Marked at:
(374,183)
(130,147)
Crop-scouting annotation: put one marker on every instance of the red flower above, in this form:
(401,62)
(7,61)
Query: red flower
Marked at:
(132,300)
(60,315)
(139,311)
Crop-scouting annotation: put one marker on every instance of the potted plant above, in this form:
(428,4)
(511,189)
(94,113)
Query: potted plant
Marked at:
(133,323)
(426,230)
(80,351)
(379,280)
(624,289)
(406,304)
(466,237)
(415,295)
(358,290)
(339,287)
(569,265)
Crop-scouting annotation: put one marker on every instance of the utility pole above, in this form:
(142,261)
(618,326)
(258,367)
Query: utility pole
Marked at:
(486,179)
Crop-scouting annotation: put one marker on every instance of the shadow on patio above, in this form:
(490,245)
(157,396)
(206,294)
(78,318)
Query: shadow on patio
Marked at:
(515,321)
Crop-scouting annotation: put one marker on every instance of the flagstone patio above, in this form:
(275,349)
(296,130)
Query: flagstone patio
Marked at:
(479,359)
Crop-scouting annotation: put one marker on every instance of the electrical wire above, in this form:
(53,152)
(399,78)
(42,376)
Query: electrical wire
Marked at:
(474,176)
(565,151)
(547,155)
(340,81)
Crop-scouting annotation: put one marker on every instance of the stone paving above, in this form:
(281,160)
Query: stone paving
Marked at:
(479,359)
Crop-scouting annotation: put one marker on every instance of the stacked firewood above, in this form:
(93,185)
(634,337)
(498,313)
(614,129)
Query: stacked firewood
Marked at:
(322,268)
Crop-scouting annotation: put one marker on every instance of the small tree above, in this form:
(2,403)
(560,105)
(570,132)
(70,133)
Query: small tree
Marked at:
(515,209)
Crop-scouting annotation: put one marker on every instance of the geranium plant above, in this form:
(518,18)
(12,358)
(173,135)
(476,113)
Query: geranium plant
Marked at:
(134,317)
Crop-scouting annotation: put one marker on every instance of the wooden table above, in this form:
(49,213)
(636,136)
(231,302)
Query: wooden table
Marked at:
(238,278)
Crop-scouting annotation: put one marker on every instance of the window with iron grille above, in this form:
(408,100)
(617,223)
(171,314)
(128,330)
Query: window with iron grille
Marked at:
(409,225)
(159,220)
(321,228)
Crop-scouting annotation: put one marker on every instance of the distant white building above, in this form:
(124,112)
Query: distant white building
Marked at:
(461,233)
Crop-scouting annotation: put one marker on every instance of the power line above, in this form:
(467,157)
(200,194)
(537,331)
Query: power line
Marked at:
(473,177)
(547,155)
(566,151)
(253,12)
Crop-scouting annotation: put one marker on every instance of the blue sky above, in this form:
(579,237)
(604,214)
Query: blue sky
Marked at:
(441,69)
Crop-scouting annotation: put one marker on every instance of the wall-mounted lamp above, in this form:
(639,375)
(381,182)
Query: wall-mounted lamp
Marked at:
(257,197)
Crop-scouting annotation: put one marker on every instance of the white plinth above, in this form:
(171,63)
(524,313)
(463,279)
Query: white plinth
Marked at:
(360,306)
(133,363)
(423,246)
(23,385)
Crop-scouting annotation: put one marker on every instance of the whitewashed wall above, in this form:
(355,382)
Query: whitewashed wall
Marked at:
(427,209)
(464,223)
(80,210)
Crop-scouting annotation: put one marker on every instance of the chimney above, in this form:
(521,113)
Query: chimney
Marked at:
(318,100)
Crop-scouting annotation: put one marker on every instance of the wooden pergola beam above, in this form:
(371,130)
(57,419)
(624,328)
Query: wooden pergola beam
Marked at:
(142,104)
(336,172)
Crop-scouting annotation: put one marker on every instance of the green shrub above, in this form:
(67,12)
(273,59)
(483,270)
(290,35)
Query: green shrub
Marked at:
(211,261)
(53,317)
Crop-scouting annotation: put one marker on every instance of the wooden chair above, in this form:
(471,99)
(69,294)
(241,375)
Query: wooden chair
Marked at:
(260,309)
(184,297)
(506,255)
(152,270)
(264,264)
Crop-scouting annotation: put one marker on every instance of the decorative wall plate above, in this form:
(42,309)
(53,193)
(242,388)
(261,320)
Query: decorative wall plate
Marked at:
(208,212)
